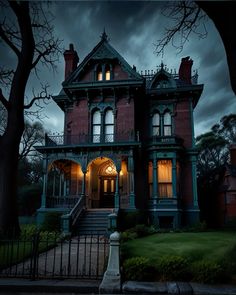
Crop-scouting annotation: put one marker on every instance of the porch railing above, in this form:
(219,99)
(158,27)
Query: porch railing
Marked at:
(62,202)
(74,139)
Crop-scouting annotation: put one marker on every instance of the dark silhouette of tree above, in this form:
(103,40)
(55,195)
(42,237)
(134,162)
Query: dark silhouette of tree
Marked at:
(213,157)
(25,28)
(188,17)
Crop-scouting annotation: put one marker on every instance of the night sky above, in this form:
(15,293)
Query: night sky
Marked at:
(133,28)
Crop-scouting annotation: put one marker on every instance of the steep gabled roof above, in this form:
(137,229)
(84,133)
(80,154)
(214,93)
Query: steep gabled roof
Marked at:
(103,50)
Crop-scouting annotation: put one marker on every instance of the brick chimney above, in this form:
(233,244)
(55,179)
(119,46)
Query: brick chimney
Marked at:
(71,60)
(185,70)
(233,154)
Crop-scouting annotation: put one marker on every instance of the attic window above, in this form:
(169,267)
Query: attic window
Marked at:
(108,75)
(99,76)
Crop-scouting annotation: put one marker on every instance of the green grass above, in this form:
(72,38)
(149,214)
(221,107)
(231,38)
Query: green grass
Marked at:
(193,246)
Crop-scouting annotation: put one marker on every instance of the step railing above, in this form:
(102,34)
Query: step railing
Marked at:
(69,219)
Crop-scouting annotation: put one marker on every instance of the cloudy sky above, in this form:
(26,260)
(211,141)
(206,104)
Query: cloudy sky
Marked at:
(133,29)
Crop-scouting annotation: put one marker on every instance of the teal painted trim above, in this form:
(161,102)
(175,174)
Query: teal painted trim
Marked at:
(174,178)
(154,179)
(163,155)
(132,201)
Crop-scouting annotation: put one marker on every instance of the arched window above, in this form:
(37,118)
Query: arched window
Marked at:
(167,124)
(156,125)
(107,73)
(109,126)
(99,73)
(96,128)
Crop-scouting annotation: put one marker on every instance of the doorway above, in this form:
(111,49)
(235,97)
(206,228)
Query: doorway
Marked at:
(107,191)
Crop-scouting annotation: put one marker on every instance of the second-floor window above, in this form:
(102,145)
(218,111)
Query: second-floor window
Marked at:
(103,126)
(96,128)
(167,124)
(156,125)
(162,124)
(103,72)
(109,126)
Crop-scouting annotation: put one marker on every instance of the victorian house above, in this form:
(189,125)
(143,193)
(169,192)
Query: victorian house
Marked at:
(128,141)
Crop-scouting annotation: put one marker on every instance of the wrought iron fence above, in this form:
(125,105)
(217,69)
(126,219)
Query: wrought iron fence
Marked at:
(46,255)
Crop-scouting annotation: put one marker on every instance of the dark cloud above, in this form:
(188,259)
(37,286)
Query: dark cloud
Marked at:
(133,28)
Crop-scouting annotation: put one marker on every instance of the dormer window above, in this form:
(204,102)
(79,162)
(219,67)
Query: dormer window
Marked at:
(99,73)
(162,124)
(104,72)
(108,75)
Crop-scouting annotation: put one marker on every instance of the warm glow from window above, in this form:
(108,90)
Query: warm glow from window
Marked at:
(99,76)
(108,75)
(165,178)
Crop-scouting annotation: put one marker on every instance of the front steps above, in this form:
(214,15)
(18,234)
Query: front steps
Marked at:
(93,222)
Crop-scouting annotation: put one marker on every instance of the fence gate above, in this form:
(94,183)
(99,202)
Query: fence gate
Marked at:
(47,256)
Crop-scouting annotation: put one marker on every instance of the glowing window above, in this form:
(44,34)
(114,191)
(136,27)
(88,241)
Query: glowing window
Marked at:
(165,178)
(99,76)
(108,75)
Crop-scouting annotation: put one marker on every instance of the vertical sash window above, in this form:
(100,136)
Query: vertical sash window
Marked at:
(167,124)
(165,178)
(109,126)
(96,126)
(156,125)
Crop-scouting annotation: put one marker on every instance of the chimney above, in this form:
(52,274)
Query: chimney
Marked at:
(71,60)
(185,70)
(233,154)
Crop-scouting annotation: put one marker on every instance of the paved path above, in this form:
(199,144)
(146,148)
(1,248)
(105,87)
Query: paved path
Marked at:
(79,257)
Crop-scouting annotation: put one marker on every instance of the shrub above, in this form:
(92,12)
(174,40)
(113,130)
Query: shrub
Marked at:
(206,272)
(138,269)
(127,236)
(173,268)
(52,222)
(131,219)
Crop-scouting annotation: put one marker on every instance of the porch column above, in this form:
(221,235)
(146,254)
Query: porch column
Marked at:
(131,183)
(117,194)
(174,178)
(83,183)
(54,183)
(154,178)
(64,185)
(60,183)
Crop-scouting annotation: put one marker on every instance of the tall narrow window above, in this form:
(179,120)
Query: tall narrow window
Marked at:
(109,126)
(96,126)
(156,125)
(107,73)
(167,124)
(165,178)
(99,73)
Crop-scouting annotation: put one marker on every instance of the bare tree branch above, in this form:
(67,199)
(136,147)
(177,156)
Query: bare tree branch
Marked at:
(43,95)
(8,41)
(187,17)
(3,100)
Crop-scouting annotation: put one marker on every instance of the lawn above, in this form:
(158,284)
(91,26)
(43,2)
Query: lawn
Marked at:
(193,246)
(206,257)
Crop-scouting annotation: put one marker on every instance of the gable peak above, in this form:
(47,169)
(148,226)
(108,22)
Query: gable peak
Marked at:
(104,36)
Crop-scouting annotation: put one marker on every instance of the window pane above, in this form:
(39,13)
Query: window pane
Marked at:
(112,186)
(165,190)
(164,171)
(167,130)
(105,186)
(109,117)
(99,77)
(155,131)
(156,120)
(97,117)
(167,119)
(108,75)
(109,129)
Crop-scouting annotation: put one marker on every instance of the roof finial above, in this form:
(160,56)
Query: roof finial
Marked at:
(104,35)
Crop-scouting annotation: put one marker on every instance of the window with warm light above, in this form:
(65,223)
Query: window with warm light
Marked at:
(99,76)
(108,75)
(156,124)
(109,126)
(165,178)
(96,129)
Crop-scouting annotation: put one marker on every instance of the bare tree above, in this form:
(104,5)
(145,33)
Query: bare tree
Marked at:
(189,17)
(25,28)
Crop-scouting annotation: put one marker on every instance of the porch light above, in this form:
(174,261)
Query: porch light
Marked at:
(109,170)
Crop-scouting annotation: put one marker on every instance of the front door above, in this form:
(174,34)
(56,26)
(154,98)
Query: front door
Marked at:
(107,191)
